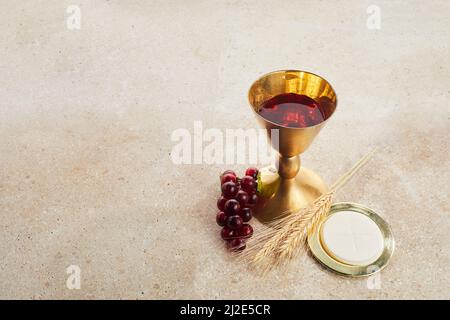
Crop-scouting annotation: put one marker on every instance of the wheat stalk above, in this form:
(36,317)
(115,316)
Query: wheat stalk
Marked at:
(280,241)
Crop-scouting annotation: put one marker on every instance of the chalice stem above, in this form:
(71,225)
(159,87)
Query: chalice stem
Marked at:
(288,167)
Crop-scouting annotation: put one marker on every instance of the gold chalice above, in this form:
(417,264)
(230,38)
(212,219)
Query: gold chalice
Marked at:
(288,186)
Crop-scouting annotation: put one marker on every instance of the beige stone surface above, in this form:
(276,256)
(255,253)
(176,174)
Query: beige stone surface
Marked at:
(86,116)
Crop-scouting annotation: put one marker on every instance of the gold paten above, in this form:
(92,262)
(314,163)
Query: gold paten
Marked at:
(291,186)
(319,252)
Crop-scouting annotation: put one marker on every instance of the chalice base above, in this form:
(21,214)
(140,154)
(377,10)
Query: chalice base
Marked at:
(288,195)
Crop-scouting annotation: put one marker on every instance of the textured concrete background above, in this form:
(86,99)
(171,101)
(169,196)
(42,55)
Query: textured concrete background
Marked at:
(86,116)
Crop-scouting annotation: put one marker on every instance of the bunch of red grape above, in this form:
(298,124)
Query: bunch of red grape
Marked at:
(235,205)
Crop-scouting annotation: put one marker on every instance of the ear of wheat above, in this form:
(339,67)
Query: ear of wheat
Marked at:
(283,239)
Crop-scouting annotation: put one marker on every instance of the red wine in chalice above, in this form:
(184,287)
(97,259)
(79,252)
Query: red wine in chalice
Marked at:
(293,110)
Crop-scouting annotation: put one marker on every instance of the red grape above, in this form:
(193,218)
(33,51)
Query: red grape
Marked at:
(234,222)
(246,214)
(246,231)
(228,233)
(252,172)
(221,219)
(232,207)
(252,200)
(221,203)
(228,177)
(236,244)
(229,189)
(229,172)
(248,184)
(242,197)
